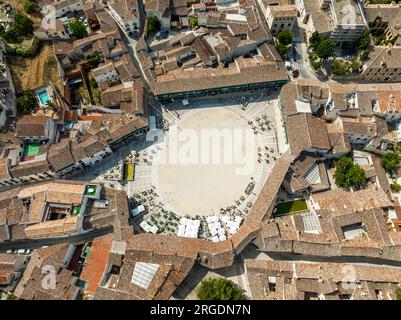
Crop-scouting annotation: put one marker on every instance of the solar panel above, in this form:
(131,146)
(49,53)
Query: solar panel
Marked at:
(311,223)
(312,175)
(144,273)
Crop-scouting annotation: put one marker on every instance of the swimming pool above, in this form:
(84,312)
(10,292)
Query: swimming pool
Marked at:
(43,96)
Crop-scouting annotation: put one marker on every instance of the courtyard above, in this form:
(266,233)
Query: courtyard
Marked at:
(201,179)
(215,172)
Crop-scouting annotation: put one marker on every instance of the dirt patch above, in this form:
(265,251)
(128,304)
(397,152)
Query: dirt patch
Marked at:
(19,4)
(31,74)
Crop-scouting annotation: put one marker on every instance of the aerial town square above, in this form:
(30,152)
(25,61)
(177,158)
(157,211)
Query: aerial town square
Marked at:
(200,150)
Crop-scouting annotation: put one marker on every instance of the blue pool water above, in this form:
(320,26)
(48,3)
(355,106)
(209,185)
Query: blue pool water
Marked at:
(43,97)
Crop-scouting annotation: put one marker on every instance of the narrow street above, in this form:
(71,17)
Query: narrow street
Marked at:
(38,243)
(131,43)
(301,63)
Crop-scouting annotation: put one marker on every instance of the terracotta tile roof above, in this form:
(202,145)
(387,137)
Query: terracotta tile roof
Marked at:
(59,155)
(339,202)
(30,286)
(293,280)
(4,171)
(31,126)
(96,264)
(27,168)
(306,131)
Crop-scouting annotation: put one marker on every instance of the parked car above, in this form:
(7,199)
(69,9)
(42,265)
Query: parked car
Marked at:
(249,188)
(138,210)
(161,34)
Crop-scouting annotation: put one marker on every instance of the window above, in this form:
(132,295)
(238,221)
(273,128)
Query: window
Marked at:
(272,283)
(379,294)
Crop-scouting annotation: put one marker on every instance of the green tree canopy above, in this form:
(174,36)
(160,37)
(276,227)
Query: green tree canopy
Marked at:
(285,37)
(364,55)
(325,48)
(364,41)
(193,22)
(153,24)
(219,289)
(27,103)
(30,6)
(390,161)
(398,293)
(348,174)
(11,296)
(314,40)
(11,36)
(281,49)
(355,64)
(22,24)
(78,28)
(395,187)
(339,68)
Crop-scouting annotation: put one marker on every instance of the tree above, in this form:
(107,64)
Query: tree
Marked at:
(390,161)
(339,68)
(395,187)
(398,293)
(348,174)
(284,37)
(11,296)
(27,103)
(94,59)
(281,49)
(22,24)
(78,28)
(316,65)
(315,40)
(349,46)
(397,147)
(364,55)
(355,64)
(97,96)
(153,24)
(364,41)
(11,36)
(325,48)
(52,106)
(193,22)
(92,83)
(30,6)
(219,289)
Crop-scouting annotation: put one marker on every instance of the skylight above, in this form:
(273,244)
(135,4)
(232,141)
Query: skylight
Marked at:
(311,223)
(312,175)
(143,274)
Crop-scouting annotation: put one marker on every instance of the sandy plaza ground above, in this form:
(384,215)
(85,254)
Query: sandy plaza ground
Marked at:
(219,182)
